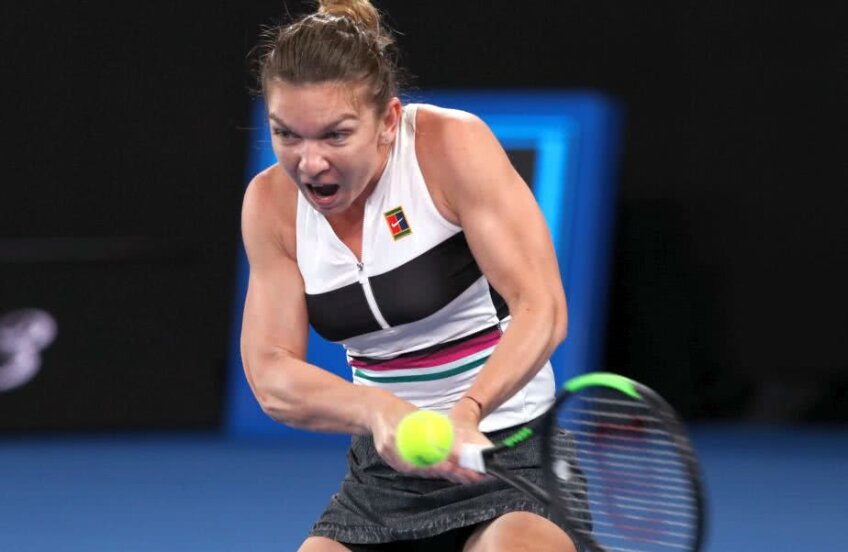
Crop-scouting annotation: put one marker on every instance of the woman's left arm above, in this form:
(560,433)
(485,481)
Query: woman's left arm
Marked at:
(481,191)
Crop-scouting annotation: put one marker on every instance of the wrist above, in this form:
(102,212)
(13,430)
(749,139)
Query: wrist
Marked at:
(383,410)
(477,403)
(468,408)
(374,404)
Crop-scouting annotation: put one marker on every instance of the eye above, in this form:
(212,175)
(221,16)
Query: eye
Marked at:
(337,135)
(284,133)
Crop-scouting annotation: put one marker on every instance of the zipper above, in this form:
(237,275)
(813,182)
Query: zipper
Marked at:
(362,275)
(369,296)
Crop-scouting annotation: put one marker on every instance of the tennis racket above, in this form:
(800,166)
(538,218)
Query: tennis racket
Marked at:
(619,471)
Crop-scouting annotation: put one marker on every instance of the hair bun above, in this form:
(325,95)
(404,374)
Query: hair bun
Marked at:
(360,11)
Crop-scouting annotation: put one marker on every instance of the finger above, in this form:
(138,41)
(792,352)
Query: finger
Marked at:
(454,472)
(397,463)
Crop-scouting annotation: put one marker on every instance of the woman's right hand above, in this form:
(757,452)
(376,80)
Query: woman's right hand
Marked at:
(386,412)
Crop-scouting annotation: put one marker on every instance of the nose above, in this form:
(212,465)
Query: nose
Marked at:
(312,160)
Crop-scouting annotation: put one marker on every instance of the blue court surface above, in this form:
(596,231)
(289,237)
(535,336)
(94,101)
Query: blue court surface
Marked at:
(770,489)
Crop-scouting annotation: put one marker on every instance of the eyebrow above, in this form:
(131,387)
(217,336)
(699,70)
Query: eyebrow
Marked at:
(335,123)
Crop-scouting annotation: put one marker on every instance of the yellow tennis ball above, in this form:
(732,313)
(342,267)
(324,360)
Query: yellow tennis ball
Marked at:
(424,438)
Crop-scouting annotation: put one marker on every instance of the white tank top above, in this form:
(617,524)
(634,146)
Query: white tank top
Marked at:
(416,316)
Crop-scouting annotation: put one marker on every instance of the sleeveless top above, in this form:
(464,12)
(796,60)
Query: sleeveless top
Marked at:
(416,316)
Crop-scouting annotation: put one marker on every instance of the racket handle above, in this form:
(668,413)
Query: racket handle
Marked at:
(471,457)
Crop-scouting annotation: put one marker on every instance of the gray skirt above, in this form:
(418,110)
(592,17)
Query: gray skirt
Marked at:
(377,504)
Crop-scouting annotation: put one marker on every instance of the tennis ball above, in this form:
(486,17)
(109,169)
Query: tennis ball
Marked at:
(424,438)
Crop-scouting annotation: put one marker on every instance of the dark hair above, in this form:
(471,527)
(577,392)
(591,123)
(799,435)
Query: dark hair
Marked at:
(344,41)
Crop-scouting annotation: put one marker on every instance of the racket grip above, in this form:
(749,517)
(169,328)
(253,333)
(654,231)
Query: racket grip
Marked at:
(471,457)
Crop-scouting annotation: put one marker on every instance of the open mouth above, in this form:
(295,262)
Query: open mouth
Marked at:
(323,191)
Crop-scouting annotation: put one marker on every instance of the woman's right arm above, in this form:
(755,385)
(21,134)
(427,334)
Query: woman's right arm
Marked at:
(275,329)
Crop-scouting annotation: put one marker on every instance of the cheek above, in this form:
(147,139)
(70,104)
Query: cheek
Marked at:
(287,162)
(283,155)
(364,160)
(348,163)
(286,159)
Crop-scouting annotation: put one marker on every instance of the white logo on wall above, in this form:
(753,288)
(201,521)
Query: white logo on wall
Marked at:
(23,335)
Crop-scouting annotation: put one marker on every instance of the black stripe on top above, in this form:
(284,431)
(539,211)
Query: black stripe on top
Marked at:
(410,292)
(342,313)
(427,283)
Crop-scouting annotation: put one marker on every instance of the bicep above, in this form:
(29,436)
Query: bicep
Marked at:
(511,243)
(274,321)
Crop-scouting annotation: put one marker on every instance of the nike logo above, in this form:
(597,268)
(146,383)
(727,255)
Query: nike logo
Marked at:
(398,225)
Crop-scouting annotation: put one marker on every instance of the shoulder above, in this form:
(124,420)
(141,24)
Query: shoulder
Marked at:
(450,138)
(459,155)
(439,127)
(269,210)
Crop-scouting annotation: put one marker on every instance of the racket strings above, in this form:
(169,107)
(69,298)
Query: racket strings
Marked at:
(623,476)
(626,469)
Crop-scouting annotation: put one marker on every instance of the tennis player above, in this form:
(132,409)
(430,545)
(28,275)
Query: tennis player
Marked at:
(403,233)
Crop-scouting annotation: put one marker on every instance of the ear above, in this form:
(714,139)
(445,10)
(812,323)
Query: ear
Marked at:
(389,121)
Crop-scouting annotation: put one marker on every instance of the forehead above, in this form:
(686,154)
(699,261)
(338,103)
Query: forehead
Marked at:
(314,103)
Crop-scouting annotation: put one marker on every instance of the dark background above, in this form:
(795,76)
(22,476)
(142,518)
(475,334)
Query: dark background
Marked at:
(123,133)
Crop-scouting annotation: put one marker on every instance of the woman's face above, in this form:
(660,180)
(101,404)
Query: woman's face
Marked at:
(330,140)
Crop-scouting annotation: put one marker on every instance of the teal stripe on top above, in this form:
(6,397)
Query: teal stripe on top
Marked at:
(423,377)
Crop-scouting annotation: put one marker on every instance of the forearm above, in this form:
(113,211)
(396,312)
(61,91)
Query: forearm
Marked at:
(533,333)
(298,394)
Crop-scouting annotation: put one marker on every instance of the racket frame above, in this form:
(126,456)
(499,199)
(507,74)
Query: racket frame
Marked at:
(546,424)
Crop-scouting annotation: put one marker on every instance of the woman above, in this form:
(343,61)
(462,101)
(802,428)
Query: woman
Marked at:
(389,228)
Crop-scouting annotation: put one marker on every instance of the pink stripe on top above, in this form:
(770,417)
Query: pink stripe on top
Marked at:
(443,356)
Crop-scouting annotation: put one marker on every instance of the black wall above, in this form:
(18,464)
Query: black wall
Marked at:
(127,122)
(122,136)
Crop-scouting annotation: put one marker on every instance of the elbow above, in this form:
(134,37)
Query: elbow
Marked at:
(559,324)
(272,403)
(279,405)
(549,315)
(275,394)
